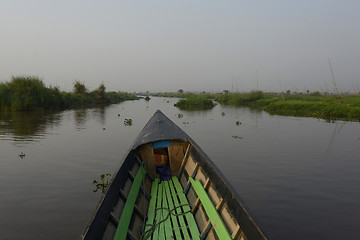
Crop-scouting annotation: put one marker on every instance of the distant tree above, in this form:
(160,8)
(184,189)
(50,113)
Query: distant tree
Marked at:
(180,91)
(80,87)
(100,92)
(316,93)
(288,92)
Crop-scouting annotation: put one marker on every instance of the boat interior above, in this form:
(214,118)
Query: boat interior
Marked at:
(170,190)
(169,195)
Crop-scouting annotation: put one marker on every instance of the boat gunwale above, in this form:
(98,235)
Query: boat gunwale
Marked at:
(108,198)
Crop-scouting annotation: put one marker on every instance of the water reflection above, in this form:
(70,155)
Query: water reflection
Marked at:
(335,133)
(82,115)
(23,127)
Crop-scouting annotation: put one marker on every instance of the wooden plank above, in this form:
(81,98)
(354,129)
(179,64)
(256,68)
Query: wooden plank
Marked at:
(174,220)
(152,205)
(166,212)
(197,203)
(237,232)
(184,161)
(186,208)
(158,214)
(193,176)
(181,218)
(124,222)
(147,155)
(176,155)
(208,223)
(210,210)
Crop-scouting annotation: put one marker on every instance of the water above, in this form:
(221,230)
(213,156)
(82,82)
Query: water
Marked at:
(299,177)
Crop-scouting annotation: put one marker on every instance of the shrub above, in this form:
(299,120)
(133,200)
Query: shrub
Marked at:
(195,102)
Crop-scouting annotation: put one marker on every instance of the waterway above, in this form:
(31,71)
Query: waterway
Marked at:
(299,177)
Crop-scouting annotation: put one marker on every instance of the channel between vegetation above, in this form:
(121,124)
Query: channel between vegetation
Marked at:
(30,93)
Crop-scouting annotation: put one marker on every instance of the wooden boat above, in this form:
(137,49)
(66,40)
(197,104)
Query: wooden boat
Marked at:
(192,201)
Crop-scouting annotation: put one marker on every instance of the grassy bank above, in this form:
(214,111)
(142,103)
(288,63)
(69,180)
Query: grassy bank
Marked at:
(30,93)
(329,107)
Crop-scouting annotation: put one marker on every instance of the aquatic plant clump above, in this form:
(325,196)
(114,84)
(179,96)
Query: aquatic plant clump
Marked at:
(102,183)
(128,122)
(195,102)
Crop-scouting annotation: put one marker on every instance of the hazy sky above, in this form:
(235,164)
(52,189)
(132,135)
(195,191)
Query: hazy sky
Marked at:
(164,45)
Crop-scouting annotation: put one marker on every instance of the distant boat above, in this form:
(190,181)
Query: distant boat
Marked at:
(168,188)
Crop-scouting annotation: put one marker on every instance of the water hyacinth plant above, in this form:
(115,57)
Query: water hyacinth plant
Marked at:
(128,122)
(102,183)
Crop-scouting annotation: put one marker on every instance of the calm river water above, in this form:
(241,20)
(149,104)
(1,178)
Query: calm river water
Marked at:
(299,177)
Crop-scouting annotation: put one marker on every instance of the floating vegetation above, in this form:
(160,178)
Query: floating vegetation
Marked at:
(118,114)
(21,155)
(128,122)
(147,98)
(237,137)
(238,123)
(179,115)
(104,129)
(102,183)
(222,114)
(195,102)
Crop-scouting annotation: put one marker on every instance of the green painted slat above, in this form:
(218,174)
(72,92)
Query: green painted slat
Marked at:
(152,204)
(183,226)
(210,210)
(167,224)
(162,215)
(124,222)
(189,217)
(174,220)
(158,213)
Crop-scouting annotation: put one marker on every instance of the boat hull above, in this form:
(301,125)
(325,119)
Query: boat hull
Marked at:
(214,204)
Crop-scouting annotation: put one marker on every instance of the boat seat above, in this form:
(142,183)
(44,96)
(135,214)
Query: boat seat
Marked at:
(124,222)
(169,214)
(211,211)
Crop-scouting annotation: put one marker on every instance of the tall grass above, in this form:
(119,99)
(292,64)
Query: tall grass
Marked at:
(30,93)
(237,99)
(312,105)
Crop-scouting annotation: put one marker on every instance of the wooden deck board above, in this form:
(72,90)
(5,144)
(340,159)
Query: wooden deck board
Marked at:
(210,210)
(166,196)
(181,218)
(166,213)
(157,232)
(124,222)
(152,205)
(174,219)
(195,234)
